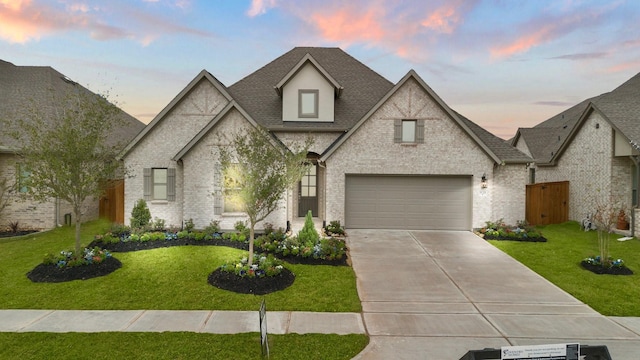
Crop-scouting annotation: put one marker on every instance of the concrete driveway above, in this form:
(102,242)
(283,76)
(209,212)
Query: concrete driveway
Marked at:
(436,295)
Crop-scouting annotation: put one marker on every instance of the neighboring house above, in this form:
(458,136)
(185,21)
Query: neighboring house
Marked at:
(22,89)
(593,145)
(385,155)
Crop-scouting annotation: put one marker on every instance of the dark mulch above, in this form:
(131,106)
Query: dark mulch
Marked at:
(146,245)
(505,238)
(54,274)
(600,270)
(247,285)
(311,261)
(5,234)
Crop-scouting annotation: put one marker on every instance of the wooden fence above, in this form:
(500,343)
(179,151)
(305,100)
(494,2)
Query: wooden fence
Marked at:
(112,203)
(547,203)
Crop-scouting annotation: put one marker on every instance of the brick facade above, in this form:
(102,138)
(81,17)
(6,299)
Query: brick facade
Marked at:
(447,150)
(593,172)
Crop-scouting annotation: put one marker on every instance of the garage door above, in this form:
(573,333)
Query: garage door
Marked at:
(408,202)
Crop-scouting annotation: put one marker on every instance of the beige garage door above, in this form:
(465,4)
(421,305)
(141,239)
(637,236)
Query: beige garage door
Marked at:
(408,202)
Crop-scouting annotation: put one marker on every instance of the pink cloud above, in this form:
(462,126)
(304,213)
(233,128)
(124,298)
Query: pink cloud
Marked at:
(444,19)
(350,25)
(24,21)
(624,66)
(259,7)
(547,28)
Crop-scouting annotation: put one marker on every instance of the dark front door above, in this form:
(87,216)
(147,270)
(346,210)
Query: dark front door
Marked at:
(308,193)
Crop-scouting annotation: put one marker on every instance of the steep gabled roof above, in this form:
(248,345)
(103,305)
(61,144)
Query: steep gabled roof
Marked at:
(196,139)
(309,59)
(203,75)
(621,107)
(44,88)
(502,149)
(497,149)
(362,88)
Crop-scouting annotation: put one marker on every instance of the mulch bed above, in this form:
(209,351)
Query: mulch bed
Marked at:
(600,270)
(220,279)
(54,274)
(126,246)
(5,234)
(527,239)
(247,285)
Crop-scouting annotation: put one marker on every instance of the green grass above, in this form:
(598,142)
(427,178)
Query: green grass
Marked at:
(558,260)
(166,278)
(179,345)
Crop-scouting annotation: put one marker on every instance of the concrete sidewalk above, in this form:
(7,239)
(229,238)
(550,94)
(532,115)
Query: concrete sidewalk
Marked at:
(215,322)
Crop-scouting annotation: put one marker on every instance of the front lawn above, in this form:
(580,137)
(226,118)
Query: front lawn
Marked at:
(164,278)
(177,345)
(558,260)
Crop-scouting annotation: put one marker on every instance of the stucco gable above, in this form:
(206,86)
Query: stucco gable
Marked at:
(310,60)
(204,96)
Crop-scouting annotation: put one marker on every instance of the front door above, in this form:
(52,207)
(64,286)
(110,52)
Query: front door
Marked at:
(308,192)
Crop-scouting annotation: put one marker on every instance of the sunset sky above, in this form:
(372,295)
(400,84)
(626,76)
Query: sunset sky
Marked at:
(503,64)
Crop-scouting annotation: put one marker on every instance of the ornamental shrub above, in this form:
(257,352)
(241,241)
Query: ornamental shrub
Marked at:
(308,234)
(140,215)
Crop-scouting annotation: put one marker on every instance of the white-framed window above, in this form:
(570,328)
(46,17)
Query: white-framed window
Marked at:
(159,184)
(232,203)
(308,103)
(408,131)
(159,179)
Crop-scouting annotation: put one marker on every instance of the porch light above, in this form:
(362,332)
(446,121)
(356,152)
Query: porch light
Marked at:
(483,181)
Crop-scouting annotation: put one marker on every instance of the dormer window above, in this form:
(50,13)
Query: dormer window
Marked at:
(308,104)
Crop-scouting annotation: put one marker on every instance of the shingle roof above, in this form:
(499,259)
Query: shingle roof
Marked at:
(500,147)
(621,107)
(38,85)
(363,88)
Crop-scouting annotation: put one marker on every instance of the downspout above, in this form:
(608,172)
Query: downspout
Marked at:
(636,161)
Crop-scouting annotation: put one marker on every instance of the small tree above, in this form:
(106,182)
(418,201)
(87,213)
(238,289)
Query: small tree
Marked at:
(257,171)
(605,218)
(67,152)
(140,215)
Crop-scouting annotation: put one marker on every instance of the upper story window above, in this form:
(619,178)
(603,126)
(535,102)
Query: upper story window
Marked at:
(308,103)
(409,131)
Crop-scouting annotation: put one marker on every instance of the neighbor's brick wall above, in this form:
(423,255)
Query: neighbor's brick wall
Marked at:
(447,150)
(35,215)
(163,142)
(587,165)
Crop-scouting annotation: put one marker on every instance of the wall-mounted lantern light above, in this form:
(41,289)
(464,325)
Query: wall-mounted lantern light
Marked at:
(483,181)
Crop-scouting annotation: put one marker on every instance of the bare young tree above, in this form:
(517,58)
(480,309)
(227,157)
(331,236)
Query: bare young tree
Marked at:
(257,171)
(67,152)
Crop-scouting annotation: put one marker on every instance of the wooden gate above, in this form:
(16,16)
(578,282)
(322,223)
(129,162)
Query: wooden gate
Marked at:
(547,203)
(112,203)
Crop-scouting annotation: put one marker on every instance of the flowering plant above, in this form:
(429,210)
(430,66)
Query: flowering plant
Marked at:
(67,258)
(610,262)
(265,266)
